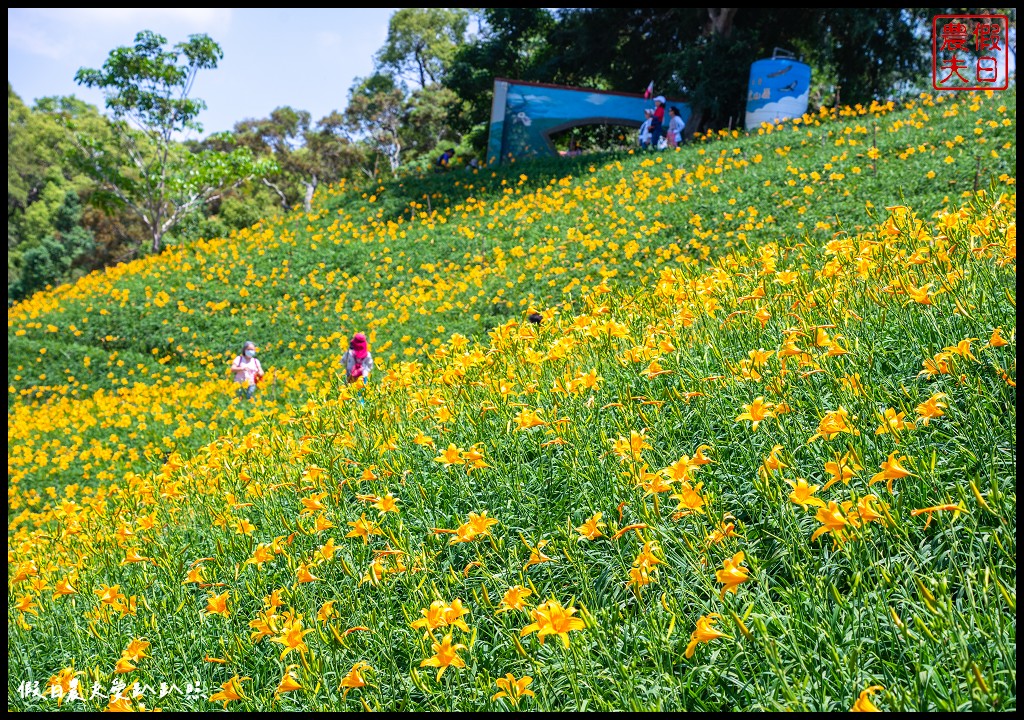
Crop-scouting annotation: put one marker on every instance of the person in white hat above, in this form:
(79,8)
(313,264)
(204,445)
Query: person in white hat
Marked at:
(645,129)
(657,120)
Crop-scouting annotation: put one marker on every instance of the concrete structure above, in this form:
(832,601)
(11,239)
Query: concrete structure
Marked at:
(525,115)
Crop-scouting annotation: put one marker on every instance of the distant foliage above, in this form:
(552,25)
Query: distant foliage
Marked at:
(51,258)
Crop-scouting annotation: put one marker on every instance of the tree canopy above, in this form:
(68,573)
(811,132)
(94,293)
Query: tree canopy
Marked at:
(422,42)
(147,91)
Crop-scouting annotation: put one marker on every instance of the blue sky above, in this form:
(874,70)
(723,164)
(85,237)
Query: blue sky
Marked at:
(305,58)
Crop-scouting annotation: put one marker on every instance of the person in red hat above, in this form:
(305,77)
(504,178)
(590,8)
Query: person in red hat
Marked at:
(357,360)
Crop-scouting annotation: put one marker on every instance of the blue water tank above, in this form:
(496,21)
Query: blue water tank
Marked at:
(779,90)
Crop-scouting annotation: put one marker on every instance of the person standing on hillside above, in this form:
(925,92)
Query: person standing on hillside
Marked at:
(645,129)
(658,121)
(247,371)
(358,362)
(444,162)
(675,127)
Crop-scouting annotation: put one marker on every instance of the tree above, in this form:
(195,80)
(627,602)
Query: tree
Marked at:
(36,148)
(147,92)
(277,136)
(512,43)
(47,236)
(31,154)
(872,49)
(305,155)
(376,111)
(384,118)
(331,154)
(422,42)
(436,116)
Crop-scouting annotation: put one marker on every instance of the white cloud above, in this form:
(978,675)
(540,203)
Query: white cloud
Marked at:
(327,40)
(33,40)
(197,19)
(60,32)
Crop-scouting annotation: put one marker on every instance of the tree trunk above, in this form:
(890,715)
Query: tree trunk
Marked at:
(155,231)
(307,203)
(275,188)
(394,152)
(693,124)
(420,63)
(720,20)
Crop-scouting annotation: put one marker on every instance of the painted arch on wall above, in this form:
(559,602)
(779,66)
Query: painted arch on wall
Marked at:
(525,116)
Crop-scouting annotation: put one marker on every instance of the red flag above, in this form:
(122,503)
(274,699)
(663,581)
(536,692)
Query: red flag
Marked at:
(649,91)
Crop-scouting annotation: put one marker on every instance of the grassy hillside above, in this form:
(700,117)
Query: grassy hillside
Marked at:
(420,260)
(763,444)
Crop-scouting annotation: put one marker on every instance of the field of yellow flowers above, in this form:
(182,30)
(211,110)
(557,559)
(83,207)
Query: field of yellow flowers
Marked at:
(759,454)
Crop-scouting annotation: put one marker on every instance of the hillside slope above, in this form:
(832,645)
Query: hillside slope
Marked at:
(759,454)
(423,259)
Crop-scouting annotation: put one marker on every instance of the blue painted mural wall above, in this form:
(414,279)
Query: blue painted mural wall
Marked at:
(779,90)
(524,116)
